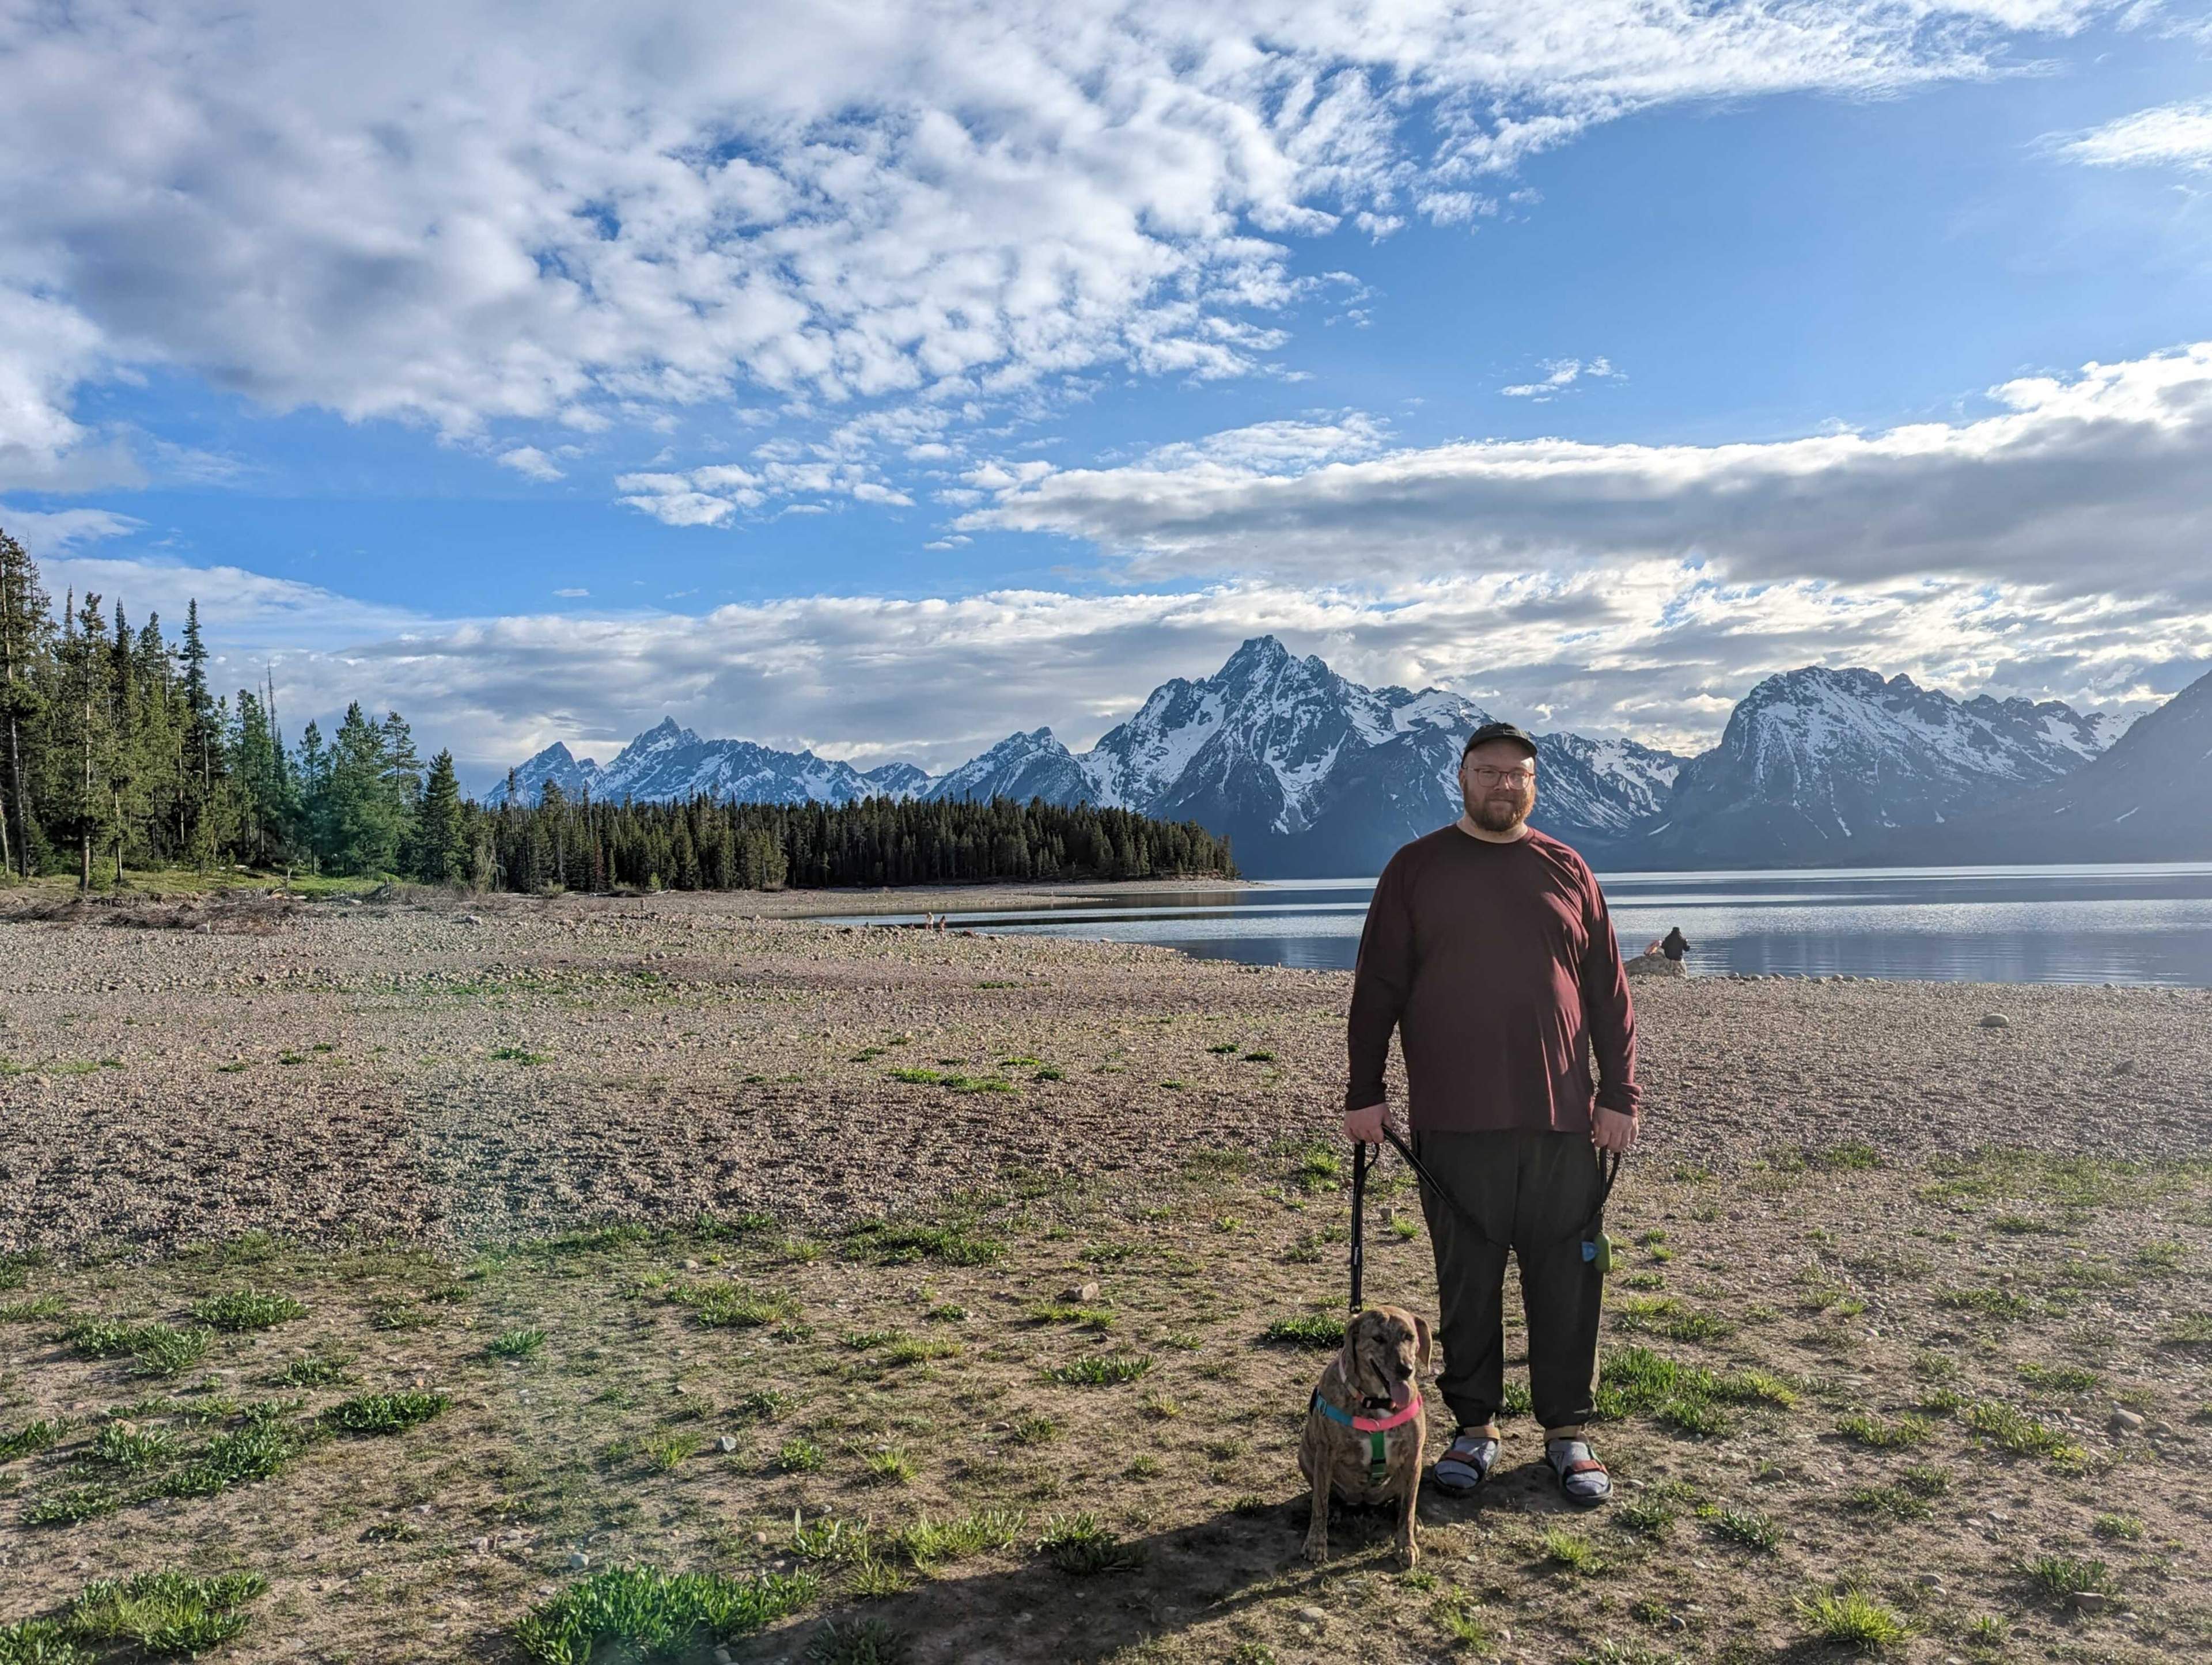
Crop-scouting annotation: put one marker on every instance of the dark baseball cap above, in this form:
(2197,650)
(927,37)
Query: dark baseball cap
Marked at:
(1489,732)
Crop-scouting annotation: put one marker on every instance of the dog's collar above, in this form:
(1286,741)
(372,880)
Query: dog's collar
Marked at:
(1367,1425)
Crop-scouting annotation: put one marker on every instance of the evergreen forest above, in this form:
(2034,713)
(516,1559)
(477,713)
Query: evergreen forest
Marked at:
(116,753)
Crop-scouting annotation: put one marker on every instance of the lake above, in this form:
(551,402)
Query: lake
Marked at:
(2149,923)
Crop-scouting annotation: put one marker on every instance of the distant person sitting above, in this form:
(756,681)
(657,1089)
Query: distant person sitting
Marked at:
(1675,944)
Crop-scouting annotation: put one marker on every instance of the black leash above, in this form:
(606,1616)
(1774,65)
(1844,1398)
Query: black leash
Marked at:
(1597,1247)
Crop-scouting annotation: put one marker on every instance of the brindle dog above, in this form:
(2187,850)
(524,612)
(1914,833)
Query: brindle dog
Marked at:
(1372,1386)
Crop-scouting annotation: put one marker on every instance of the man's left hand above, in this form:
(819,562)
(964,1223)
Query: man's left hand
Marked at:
(1612,1131)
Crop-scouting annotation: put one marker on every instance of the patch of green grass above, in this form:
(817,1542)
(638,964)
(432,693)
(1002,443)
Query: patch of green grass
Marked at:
(1258,1056)
(1562,1548)
(2013,1430)
(668,1455)
(863,1641)
(927,1543)
(1871,1430)
(2191,1330)
(762,1404)
(1094,1370)
(1891,1502)
(1924,1480)
(37,1435)
(165,1612)
(892,1466)
(520,1056)
(634,1612)
(798,1456)
(1032,1430)
(516,1343)
(385,1413)
(1637,1381)
(248,1310)
(1083,1545)
(1994,1302)
(1663,1315)
(1853,1156)
(1653,1512)
(39,1642)
(1459,1615)
(69,1504)
(888,1242)
(1317,1330)
(315,1370)
(246,1453)
(2161,1256)
(2060,1378)
(2065,1579)
(1747,1528)
(126,1446)
(733,1306)
(30,1311)
(2118,1528)
(1224,1048)
(1852,1619)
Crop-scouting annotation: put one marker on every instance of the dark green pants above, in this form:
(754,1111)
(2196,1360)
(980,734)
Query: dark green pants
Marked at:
(1532,1191)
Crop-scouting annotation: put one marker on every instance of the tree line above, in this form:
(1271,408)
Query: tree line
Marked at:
(116,753)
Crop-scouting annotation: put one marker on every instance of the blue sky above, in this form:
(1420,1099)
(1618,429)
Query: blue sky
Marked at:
(885,379)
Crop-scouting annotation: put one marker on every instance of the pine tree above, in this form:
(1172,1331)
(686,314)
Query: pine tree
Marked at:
(25,642)
(441,842)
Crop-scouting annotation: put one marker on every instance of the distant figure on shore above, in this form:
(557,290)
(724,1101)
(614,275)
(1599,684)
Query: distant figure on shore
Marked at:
(1675,944)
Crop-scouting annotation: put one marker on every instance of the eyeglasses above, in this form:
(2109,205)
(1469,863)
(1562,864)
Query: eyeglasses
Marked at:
(1498,777)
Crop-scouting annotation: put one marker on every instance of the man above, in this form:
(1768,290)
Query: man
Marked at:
(1488,948)
(1675,944)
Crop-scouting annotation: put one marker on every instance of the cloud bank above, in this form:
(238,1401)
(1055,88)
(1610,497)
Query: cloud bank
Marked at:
(476,212)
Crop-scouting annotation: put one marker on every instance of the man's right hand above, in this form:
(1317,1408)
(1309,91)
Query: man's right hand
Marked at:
(1367,1125)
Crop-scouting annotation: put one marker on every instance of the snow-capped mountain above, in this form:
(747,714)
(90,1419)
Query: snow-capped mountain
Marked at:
(1818,765)
(1020,767)
(671,761)
(2147,799)
(1306,772)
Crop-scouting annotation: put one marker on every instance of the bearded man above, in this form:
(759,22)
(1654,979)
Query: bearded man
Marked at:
(1489,950)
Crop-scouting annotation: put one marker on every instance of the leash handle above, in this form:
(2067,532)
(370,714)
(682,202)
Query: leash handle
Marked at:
(1358,1219)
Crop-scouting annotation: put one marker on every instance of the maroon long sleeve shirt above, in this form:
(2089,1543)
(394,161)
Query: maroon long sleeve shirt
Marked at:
(1497,965)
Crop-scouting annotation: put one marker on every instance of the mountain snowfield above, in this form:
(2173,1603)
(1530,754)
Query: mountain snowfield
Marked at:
(1311,774)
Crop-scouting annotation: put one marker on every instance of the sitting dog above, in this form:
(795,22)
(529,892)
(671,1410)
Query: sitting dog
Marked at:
(1365,1435)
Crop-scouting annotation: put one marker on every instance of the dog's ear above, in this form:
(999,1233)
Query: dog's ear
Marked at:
(1348,1360)
(1421,1344)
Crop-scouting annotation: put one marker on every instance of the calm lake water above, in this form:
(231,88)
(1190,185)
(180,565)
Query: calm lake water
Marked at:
(2149,923)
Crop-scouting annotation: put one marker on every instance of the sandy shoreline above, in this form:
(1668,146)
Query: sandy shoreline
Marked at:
(401,1071)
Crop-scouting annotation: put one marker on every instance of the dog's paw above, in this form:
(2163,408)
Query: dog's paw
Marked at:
(1409,1552)
(1317,1550)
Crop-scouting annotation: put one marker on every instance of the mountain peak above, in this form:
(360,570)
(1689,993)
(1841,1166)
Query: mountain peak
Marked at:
(1257,655)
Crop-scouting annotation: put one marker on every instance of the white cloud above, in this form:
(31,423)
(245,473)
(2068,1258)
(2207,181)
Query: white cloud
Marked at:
(531,462)
(2097,481)
(52,533)
(571,594)
(1559,374)
(428,211)
(1652,647)
(2169,135)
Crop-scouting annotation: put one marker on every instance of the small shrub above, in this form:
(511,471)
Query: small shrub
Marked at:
(890,1466)
(1081,1544)
(1851,1619)
(36,1435)
(860,1641)
(315,1370)
(69,1504)
(1562,1548)
(385,1413)
(1884,1436)
(1093,1371)
(165,1612)
(639,1612)
(1748,1528)
(1310,1329)
(125,1446)
(248,1310)
(2064,1580)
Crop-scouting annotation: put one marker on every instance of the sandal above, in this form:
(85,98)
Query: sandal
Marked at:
(1582,1479)
(1467,1464)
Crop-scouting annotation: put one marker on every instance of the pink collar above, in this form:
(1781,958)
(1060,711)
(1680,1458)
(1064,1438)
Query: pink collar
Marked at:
(1368,1424)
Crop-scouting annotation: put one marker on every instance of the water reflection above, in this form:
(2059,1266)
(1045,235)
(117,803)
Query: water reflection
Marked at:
(2146,923)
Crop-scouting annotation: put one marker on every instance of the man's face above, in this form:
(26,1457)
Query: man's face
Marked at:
(1498,783)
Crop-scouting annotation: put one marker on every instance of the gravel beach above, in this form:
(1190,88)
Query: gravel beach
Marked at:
(448,1074)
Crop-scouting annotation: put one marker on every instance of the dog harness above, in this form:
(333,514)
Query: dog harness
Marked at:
(1378,1466)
